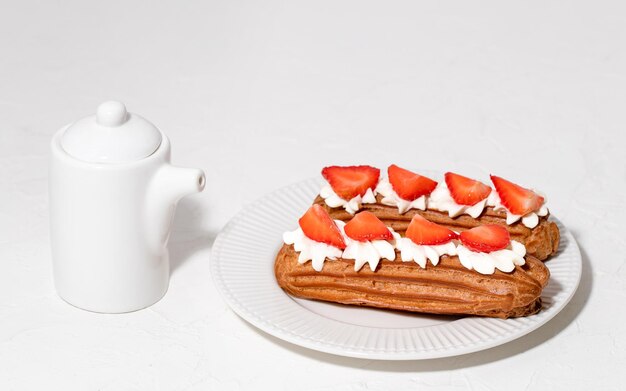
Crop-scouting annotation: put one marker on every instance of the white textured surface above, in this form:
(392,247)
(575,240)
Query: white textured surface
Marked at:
(265,94)
(242,267)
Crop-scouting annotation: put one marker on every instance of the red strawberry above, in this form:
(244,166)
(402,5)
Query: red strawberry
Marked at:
(516,199)
(350,181)
(486,238)
(466,191)
(409,185)
(424,232)
(317,225)
(366,226)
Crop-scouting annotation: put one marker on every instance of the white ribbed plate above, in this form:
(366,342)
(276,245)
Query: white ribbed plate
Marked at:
(242,267)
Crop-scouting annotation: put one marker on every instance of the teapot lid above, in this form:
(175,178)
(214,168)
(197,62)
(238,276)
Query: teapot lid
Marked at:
(113,135)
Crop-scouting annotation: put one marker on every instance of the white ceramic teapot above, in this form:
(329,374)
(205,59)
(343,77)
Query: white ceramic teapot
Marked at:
(113,194)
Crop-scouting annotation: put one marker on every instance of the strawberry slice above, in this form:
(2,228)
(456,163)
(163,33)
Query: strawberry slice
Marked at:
(317,225)
(409,185)
(516,199)
(350,181)
(424,232)
(366,226)
(466,191)
(486,238)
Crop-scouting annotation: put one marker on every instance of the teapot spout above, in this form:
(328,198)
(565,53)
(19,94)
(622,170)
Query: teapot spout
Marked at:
(168,186)
(176,182)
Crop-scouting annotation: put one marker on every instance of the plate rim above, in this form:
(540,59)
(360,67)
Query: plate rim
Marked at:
(309,343)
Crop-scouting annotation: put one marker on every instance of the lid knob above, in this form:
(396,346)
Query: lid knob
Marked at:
(111,113)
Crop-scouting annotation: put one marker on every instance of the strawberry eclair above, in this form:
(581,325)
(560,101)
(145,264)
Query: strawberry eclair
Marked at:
(457,202)
(428,268)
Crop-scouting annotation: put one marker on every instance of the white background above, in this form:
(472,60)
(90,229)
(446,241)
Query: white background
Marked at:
(263,94)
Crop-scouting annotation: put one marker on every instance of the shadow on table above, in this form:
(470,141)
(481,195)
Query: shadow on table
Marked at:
(510,349)
(188,236)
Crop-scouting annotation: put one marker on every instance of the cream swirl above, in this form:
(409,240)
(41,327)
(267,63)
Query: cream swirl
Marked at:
(391,198)
(351,206)
(311,250)
(410,251)
(530,220)
(487,263)
(441,199)
(370,252)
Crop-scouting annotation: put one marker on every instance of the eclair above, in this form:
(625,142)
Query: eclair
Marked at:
(457,202)
(428,268)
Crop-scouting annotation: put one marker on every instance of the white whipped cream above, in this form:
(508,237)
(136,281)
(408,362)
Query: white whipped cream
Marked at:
(441,199)
(310,250)
(410,251)
(370,252)
(487,263)
(530,220)
(391,198)
(351,206)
